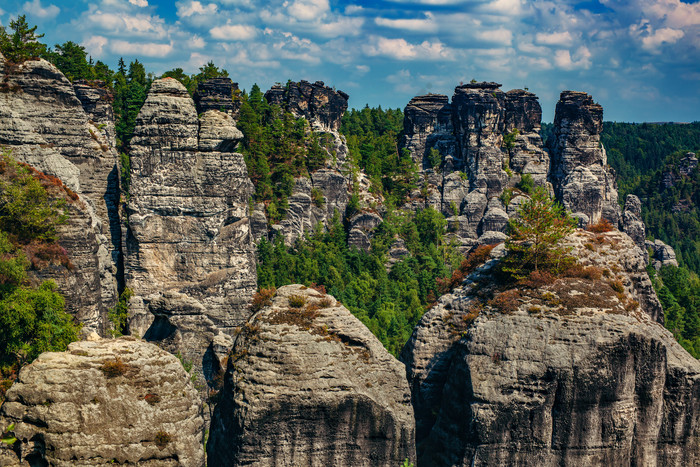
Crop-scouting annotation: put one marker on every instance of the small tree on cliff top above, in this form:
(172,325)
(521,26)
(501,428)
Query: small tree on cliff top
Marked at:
(533,242)
(22,43)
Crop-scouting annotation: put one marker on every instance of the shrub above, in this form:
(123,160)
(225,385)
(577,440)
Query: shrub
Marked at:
(506,302)
(602,226)
(114,368)
(617,286)
(262,298)
(325,302)
(526,183)
(317,197)
(162,439)
(118,315)
(474,259)
(538,279)
(297,301)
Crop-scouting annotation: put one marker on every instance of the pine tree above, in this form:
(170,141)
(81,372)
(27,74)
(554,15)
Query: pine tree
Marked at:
(23,43)
(533,237)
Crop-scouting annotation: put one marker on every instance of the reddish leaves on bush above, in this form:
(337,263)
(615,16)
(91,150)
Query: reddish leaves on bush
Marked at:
(602,226)
(474,259)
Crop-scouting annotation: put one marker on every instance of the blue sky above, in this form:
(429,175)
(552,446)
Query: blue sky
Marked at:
(640,59)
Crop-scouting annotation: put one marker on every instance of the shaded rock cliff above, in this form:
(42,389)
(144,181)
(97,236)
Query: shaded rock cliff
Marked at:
(308,384)
(66,132)
(190,259)
(218,94)
(577,372)
(320,105)
(99,403)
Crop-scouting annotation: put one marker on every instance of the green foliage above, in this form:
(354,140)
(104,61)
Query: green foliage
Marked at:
(434,159)
(534,236)
(506,196)
(372,138)
(277,148)
(27,212)
(125,171)
(389,303)
(679,292)
(21,43)
(509,139)
(526,184)
(130,89)
(118,315)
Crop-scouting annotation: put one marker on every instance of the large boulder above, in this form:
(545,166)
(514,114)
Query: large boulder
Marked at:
(102,403)
(573,372)
(308,384)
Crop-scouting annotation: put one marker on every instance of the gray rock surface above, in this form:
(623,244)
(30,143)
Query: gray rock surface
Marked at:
(218,94)
(67,132)
(477,162)
(632,223)
(661,254)
(311,386)
(67,411)
(582,180)
(190,259)
(570,373)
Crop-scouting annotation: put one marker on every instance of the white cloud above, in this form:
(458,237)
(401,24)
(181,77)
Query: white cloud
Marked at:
(400,49)
(307,10)
(500,36)
(35,9)
(563,39)
(140,3)
(344,26)
(148,49)
(362,69)
(94,45)
(580,59)
(503,7)
(189,8)
(661,36)
(419,25)
(118,24)
(233,32)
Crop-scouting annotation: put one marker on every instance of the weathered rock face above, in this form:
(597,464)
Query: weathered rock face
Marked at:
(571,373)
(321,106)
(632,223)
(319,377)
(218,94)
(478,162)
(68,410)
(581,177)
(661,254)
(45,124)
(190,259)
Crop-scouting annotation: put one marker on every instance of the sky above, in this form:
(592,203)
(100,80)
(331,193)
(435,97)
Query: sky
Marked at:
(640,59)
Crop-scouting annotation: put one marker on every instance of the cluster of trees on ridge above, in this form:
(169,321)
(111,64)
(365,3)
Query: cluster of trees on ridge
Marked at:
(278,147)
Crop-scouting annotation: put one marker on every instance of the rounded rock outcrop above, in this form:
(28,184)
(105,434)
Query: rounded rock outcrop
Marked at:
(103,402)
(308,384)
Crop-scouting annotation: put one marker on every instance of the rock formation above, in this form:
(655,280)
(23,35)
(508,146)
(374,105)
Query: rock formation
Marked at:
(190,259)
(118,401)
(583,181)
(321,106)
(218,94)
(661,254)
(486,140)
(66,132)
(308,384)
(576,372)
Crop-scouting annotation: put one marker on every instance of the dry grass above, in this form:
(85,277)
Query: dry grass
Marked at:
(114,368)
(602,226)
(297,301)
(262,298)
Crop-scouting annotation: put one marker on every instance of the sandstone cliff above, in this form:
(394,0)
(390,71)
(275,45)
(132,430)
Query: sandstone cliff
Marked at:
(308,384)
(99,403)
(576,372)
(189,257)
(67,132)
(487,140)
